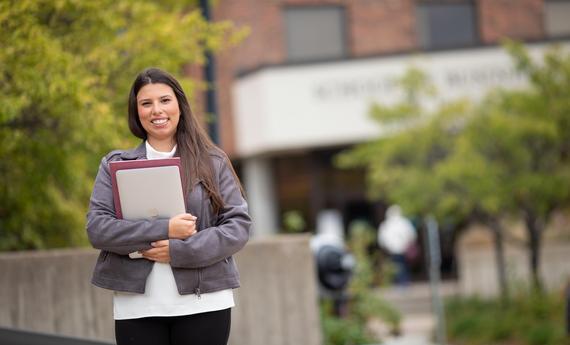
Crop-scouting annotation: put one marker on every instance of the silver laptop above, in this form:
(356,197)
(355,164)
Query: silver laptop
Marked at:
(148,193)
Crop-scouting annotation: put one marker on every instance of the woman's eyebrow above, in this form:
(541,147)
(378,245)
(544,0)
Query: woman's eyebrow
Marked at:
(148,99)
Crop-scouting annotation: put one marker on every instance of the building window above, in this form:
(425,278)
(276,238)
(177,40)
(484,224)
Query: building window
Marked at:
(557,18)
(446,24)
(315,33)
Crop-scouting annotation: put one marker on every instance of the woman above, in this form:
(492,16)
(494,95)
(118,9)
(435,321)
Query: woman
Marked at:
(180,291)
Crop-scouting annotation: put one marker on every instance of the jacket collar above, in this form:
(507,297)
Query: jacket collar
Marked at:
(137,153)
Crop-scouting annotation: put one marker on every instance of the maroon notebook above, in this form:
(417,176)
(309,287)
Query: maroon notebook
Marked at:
(136,164)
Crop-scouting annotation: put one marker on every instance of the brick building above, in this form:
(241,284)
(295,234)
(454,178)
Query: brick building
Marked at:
(298,89)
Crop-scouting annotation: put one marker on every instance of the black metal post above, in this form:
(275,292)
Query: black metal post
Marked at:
(568,309)
(210,77)
(434,250)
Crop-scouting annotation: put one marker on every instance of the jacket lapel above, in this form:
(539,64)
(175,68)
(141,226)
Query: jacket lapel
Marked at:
(137,153)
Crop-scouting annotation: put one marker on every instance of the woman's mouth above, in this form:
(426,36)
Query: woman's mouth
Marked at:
(159,122)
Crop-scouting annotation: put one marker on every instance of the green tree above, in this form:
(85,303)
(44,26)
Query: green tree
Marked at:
(65,71)
(507,155)
(524,136)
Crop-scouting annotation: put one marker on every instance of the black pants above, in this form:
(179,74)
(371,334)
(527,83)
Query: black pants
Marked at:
(212,328)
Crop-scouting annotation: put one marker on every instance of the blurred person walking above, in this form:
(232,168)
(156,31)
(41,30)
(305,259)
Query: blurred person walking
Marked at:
(397,235)
(180,291)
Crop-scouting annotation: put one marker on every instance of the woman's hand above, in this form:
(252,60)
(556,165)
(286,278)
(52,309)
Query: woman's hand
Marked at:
(159,253)
(182,226)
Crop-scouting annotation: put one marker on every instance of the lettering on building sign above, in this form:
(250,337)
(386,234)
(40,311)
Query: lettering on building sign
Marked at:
(451,79)
(355,88)
(483,77)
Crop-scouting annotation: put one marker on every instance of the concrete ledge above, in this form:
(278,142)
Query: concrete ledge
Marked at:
(50,292)
(478,270)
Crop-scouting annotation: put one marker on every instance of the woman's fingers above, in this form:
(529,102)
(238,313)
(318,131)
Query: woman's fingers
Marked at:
(181,226)
(157,256)
(161,243)
(159,253)
(187,216)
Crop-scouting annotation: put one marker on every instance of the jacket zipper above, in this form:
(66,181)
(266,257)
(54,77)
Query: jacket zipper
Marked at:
(198,228)
(199,281)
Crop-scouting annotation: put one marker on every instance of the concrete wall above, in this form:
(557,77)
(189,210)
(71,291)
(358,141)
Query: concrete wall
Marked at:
(49,291)
(478,271)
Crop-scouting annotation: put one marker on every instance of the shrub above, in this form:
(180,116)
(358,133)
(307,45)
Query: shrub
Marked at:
(342,331)
(529,318)
(363,304)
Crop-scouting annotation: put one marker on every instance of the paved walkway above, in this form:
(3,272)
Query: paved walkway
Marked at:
(416,330)
(407,340)
(414,303)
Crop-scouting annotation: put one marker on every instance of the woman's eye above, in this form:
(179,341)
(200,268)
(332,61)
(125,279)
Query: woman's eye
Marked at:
(166,100)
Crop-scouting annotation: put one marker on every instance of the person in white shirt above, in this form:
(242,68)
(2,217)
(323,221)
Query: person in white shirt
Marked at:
(396,234)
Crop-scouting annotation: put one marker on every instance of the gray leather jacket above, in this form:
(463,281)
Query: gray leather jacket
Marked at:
(201,263)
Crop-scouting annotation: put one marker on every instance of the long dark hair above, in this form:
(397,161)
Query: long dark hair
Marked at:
(194,144)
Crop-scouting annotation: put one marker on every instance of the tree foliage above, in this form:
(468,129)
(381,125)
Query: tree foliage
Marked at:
(409,165)
(507,155)
(65,71)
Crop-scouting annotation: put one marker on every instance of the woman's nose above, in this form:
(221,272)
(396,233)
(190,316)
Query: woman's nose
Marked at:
(156,109)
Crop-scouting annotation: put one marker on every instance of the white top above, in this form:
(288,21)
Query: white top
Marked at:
(161,297)
(396,233)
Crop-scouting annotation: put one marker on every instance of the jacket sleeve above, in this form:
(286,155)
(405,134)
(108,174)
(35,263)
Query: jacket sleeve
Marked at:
(119,236)
(227,237)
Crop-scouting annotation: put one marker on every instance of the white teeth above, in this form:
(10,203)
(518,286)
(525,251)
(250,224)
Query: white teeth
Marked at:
(159,121)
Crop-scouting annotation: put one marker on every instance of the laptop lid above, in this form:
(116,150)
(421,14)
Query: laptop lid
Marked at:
(147,189)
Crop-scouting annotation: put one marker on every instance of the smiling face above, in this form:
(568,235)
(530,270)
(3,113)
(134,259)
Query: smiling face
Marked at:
(159,114)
